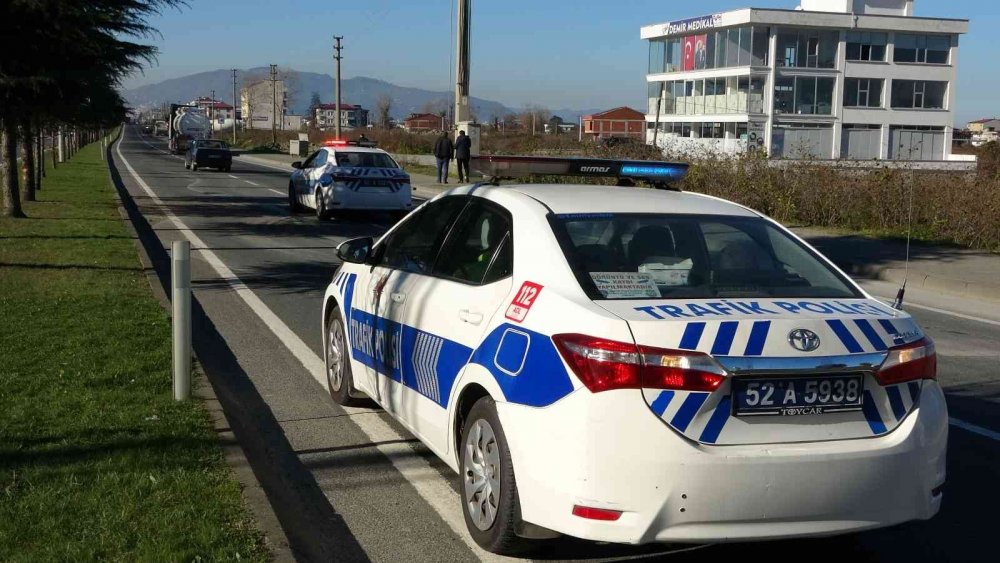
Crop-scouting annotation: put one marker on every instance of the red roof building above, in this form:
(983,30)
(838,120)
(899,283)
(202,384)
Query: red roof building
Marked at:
(618,122)
(425,122)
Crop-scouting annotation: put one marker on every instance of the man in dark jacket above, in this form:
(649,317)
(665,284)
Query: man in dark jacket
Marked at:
(444,150)
(463,152)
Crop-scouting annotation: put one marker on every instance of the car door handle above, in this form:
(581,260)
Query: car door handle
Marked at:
(397,297)
(470,317)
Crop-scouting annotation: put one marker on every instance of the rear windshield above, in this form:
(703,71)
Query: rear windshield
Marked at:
(646,256)
(212,145)
(365,160)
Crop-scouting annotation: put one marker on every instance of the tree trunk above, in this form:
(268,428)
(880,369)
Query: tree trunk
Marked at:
(39,158)
(8,170)
(28,146)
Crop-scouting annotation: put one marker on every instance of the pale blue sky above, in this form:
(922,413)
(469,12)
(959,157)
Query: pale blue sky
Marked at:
(558,53)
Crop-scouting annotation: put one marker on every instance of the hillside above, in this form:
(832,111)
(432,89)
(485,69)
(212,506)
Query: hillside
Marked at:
(358,90)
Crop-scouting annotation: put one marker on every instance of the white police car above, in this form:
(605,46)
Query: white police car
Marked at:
(637,365)
(349,175)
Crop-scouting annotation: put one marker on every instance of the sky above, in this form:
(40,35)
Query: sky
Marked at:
(580,54)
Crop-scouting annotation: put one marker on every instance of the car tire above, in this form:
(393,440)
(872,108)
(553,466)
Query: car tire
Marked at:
(194,167)
(293,204)
(187,166)
(337,360)
(322,213)
(483,453)
(228,168)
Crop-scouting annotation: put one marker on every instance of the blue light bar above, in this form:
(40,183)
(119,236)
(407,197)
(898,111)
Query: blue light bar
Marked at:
(655,173)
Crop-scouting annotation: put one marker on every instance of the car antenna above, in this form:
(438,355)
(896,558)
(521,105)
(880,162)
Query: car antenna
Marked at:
(898,303)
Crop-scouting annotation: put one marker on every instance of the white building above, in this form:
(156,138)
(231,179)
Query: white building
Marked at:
(855,79)
(263,101)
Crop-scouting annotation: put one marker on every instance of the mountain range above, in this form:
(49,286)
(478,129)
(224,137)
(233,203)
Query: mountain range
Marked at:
(301,85)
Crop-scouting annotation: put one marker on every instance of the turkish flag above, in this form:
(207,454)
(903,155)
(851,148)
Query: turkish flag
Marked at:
(689,47)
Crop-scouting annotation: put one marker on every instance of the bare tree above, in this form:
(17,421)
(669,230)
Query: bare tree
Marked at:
(534,117)
(384,106)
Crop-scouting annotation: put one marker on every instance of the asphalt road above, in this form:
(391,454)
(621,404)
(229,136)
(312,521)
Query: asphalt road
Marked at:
(351,484)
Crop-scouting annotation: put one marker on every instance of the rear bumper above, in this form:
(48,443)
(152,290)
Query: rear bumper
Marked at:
(609,451)
(214,162)
(343,198)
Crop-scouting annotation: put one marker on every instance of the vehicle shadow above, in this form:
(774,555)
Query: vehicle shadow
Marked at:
(314,528)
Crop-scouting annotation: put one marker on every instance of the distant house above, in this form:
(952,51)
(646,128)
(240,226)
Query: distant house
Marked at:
(618,122)
(984,131)
(425,122)
(351,116)
(217,110)
(558,126)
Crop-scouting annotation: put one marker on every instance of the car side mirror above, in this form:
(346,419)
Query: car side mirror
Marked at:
(297,164)
(355,251)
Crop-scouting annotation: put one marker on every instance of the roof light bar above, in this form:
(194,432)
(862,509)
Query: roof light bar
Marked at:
(658,174)
(345,143)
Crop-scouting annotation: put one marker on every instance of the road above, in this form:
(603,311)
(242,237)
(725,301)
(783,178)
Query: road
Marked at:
(351,484)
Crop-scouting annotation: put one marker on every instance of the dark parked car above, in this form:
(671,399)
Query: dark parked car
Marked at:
(211,153)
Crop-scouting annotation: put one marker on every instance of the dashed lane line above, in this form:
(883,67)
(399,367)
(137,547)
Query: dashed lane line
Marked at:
(969,427)
(255,184)
(426,480)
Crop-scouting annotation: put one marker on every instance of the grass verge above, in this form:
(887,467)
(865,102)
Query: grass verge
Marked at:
(96,459)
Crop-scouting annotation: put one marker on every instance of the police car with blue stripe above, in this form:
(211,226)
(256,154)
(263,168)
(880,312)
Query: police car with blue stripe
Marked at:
(349,175)
(636,365)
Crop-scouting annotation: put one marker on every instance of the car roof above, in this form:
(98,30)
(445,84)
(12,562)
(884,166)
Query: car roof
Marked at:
(577,198)
(355,149)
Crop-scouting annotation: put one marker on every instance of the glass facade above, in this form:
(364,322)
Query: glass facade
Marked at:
(708,96)
(804,48)
(804,95)
(863,92)
(703,130)
(865,46)
(926,49)
(724,48)
(918,94)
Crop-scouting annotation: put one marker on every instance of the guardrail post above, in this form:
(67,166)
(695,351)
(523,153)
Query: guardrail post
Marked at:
(181,283)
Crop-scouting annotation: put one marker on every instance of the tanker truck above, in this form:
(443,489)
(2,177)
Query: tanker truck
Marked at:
(186,123)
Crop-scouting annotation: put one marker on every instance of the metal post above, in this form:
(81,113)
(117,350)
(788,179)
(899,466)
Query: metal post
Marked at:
(463,48)
(338,48)
(274,105)
(181,284)
(234,107)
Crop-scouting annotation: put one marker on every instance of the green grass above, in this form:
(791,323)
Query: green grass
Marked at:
(96,459)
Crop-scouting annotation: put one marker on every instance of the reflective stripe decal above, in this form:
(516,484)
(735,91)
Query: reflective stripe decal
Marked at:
(845,336)
(869,331)
(692,336)
(724,338)
(758,337)
(914,388)
(718,421)
(871,414)
(896,402)
(688,409)
(888,326)
(662,401)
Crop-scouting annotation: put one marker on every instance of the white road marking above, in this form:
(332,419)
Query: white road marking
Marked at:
(889,302)
(415,469)
(233,177)
(288,169)
(975,429)
(252,183)
(279,192)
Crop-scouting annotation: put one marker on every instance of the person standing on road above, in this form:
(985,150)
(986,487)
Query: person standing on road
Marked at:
(444,150)
(463,152)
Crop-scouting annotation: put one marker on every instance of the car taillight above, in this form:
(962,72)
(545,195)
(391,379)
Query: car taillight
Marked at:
(910,362)
(603,365)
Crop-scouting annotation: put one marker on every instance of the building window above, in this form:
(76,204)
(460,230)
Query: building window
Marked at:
(865,46)
(657,56)
(808,49)
(863,93)
(918,94)
(761,45)
(925,49)
(804,95)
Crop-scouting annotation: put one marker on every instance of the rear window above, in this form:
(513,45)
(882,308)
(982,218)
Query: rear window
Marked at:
(212,145)
(646,256)
(365,160)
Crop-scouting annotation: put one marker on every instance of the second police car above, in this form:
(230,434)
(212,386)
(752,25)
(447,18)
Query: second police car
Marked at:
(635,365)
(349,175)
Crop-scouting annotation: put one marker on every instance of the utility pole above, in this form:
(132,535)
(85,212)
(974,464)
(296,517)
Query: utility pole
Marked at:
(274,104)
(337,48)
(462,113)
(234,107)
(211,113)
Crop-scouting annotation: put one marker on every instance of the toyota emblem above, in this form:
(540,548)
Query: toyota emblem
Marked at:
(803,340)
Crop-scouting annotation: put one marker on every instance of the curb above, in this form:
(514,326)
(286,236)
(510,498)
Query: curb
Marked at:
(940,284)
(252,491)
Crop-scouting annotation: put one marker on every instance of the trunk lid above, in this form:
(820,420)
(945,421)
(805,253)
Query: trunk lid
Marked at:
(779,344)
